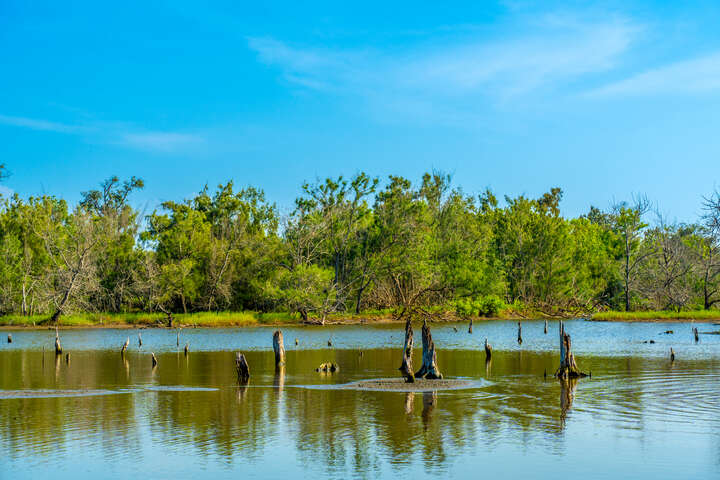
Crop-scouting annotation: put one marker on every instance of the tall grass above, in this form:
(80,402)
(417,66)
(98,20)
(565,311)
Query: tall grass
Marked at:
(658,315)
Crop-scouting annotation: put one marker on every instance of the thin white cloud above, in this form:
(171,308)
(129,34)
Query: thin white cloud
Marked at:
(43,125)
(698,75)
(6,191)
(559,51)
(160,141)
(112,133)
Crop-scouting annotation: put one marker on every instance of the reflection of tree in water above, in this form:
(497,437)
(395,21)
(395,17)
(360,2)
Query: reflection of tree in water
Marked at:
(567,395)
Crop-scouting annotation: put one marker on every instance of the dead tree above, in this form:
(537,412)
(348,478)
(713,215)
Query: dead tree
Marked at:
(488,350)
(187,348)
(406,367)
(470,327)
(242,367)
(519,334)
(58,347)
(696,333)
(545,331)
(279,348)
(672,355)
(124,347)
(154,360)
(568,368)
(139,340)
(429,369)
(177,340)
(9,338)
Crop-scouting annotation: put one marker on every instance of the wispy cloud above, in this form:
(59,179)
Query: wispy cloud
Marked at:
(42,125)
(559,51)
(119,134)
(698,75)
(160,141)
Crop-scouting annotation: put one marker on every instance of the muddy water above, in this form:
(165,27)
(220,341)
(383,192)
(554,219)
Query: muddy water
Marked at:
(100,415)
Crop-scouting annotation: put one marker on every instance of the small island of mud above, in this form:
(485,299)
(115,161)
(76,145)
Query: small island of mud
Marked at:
(420,385)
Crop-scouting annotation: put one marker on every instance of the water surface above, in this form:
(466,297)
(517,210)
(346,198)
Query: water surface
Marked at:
(100,415)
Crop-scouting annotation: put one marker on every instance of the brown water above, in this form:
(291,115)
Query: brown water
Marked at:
(100,415)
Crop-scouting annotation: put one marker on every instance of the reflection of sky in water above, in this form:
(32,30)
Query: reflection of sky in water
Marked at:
(102,416)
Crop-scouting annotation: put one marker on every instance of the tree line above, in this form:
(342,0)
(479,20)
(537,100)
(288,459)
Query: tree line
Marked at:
(351,245)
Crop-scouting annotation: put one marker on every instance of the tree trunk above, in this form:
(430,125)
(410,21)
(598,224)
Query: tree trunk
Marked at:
(470,327)
(242,367)
(568,368)
(154,360)
(429,369)
(58,347)
(627,273)
(9,338)
(488,350)
(279,348)
(545,331)
(406,367)
(124,347)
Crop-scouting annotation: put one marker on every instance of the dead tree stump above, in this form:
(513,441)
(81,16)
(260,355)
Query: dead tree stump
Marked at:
(429,369)
(124,347)
(406,367)
(470,327)
(139,340)
(154,360)
(545,330)
(177,341)
(279,348)
(242,367)
(488,350)
(696,333)
(672,355)
(519,334)
(187,348)
(568,368)
(9,338)
(58,347)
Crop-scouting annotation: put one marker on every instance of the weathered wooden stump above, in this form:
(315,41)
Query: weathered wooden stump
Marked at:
(672,355)
(58,347)
(568,368)
(186,350)
(429,369)
(67,359)
(278,348)
(329,342)
(488,350)
(545,330)
(242,368)
(124,347)
(177,341)
(139,340)
(696,333)
(519,334)
(154,360)
(296,342)
(470,327)
(406,367)
(9,338)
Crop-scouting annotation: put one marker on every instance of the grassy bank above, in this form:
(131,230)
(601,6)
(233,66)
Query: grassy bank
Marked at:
(699,315)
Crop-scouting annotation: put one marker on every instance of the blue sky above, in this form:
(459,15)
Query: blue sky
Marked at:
(604,100)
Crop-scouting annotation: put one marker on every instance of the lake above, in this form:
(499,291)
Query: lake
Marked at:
(102,415)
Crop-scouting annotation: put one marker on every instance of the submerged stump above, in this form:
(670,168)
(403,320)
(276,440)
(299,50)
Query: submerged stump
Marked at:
(488,350)
(242,368)
(279,348)
(328,367)
(58,347)
(429,369)
(187,348)
(406,367)
(154,360)
(545,330)
(124,347)
(9,338)
(568,368)
(470,327)
(696,333)
(139,340)
(519,334)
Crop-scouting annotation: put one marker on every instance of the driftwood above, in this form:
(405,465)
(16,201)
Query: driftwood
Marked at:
(331,367)
(279,348)
(154,360)
(488,350)
(429,369)
(242,367)
(187,348)
(58,347)
(470,327)
(124,347)
(519,334)
(406,367)
(9,338)
(568,368)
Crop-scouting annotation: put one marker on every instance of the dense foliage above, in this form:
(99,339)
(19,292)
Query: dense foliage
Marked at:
(350,245)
